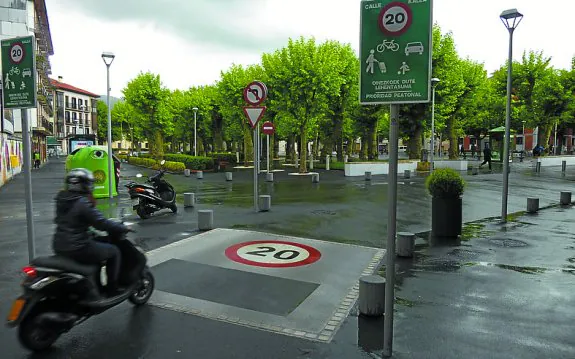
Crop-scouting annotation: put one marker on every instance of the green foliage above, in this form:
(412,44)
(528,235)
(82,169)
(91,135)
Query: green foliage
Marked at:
(227,157)
(139,161)
(445,183)
(192,162)
(170,166)
(423,166)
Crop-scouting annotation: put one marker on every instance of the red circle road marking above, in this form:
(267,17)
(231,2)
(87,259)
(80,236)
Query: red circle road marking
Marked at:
(271,254)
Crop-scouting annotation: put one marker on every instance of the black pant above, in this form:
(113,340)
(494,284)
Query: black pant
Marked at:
(97,252)
(487,160)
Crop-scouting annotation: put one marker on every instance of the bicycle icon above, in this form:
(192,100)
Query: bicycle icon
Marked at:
(14,71)
(389,45)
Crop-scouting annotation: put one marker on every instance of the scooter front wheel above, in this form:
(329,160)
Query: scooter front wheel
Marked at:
(35,336)
(144,290)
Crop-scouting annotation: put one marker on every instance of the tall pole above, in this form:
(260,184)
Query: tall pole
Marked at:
(111,174)
(256,169)
(432,129)
(555,140)
(507,131)
(391,229)
(28,184)
(268,153)
(195,134)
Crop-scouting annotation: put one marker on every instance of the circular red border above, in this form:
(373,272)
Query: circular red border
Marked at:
(389,6)
(23,53)
(266,132)
(260,85)
(232,253)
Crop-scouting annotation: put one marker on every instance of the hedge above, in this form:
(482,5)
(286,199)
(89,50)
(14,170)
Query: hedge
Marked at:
(171,166)
(223,157)
(192,162)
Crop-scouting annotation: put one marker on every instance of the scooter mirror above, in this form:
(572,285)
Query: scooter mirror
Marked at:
(139,175)
(163,162)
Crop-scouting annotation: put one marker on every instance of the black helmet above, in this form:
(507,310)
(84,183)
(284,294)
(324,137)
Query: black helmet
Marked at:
(80,180)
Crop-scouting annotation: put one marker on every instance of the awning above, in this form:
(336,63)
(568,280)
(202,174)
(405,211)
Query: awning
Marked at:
(52,141)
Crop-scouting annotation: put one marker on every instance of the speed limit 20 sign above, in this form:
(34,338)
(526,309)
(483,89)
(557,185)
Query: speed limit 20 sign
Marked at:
(395,18)
(273,254)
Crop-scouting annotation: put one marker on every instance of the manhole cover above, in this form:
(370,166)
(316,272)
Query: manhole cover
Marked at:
(508,242)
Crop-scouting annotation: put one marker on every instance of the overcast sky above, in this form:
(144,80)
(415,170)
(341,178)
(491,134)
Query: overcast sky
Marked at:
(189,42)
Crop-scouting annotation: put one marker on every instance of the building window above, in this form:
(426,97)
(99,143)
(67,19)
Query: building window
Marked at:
(59,99)
(67,116)
(74,116)
(74,102)
(80,103)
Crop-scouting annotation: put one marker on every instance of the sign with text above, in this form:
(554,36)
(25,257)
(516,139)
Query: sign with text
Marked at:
(395,51)
(19,72)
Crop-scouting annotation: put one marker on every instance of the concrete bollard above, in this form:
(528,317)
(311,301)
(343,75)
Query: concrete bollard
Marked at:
(200,175)
(315,178)
(405,244)
(189,200)
(372,295)
(265,202)
(538,166)
(474,170)
(187,172)
(532,205)
(205,219)
(565,198)
(229,176)
(327,161)
(237,157)
(368,176)
(345,158)
(270,177)
(407,174)
(563,166)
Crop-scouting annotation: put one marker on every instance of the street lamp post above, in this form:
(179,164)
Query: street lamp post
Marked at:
(195,131)
(108,58)
(434,82)
(511,19)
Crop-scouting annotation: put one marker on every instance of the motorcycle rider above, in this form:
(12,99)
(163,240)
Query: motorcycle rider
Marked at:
(75,214)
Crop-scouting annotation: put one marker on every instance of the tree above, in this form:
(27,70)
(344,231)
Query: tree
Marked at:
(102,111)
(302,76)
(149,98)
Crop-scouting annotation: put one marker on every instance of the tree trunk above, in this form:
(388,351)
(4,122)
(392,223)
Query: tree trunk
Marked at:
(159,145)
(303,150)
(363,148)
(372,144)
(248,146)
(452,136)
(414,143)
(548,135)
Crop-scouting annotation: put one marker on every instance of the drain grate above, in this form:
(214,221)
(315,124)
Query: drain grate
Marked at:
(324,212)
(508,242)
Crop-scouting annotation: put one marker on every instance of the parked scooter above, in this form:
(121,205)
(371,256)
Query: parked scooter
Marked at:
(150,198)
(60,293)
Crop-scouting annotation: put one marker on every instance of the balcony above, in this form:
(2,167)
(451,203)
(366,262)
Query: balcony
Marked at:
(72,105)
(46,127)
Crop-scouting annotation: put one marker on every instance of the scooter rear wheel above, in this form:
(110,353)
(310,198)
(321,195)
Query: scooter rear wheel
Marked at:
(144,290)
(33,336)
(141,211)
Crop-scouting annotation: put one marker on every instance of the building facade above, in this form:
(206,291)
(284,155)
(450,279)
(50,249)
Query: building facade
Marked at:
(24,18)
(75,113)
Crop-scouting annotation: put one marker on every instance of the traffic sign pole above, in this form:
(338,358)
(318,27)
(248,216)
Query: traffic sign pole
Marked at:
(256,156)
(268,152)
(19,92)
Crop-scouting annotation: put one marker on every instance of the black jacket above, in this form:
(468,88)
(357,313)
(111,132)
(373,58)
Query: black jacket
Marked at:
(75,214)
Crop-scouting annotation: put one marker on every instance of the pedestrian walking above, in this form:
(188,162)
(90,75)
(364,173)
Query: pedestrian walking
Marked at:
(486,156)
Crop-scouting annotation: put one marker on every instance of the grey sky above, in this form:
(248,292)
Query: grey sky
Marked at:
(188,42)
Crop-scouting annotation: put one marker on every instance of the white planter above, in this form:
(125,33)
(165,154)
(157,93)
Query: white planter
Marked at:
(458,165)
(376,168)
(555,161)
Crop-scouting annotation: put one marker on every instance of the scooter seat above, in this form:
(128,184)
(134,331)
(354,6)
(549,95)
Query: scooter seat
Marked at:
(65,264)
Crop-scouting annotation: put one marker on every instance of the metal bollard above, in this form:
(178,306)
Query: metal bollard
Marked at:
(189,200)
(187,172)
(200,175)
(405,244)
(315,178)
(372,295)
(270,177)
(565,198)
(563,166)
(532,205)
(368,176)
(327,160)
(407,174)
(229,176)
(474,170)
(538,166)
(205,219)
(265,202)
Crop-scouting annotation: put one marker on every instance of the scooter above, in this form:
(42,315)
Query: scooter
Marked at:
(152,197)
(60,293)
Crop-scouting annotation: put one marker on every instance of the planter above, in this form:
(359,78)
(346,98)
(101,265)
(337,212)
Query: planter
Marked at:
(376,168)
(446,217)
(458,165)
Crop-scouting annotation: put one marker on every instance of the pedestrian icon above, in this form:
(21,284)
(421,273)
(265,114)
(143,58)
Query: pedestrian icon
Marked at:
(22,86)
(8,82)
(371,60)
(403,69)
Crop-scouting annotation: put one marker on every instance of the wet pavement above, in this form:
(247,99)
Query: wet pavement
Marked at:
(506,292)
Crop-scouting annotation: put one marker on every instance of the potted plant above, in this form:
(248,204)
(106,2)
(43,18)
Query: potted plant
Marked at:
(446,187)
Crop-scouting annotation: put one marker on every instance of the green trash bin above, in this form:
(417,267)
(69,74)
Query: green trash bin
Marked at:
(95,159)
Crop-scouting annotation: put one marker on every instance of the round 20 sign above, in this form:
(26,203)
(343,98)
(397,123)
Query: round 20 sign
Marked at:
(273,254)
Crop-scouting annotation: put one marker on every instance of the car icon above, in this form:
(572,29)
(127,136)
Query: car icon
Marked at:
(27,72)
(414,47)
